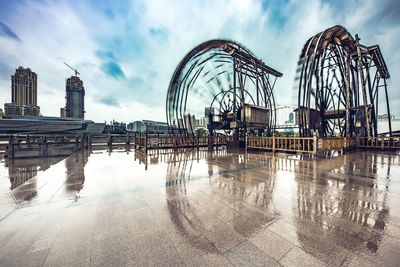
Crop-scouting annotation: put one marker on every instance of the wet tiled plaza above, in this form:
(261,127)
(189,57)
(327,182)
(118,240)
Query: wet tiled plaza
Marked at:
(197,208)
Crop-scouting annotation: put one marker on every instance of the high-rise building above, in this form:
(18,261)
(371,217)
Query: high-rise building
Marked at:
(24,87)
(75,96)
(202,122)
(190,122)
(62,113)
(23,94)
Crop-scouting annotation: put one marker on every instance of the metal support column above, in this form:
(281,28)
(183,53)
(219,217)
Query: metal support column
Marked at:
(348,102)
(364,93)
(388,108)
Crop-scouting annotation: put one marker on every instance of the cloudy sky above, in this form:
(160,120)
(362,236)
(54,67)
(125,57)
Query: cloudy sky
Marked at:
(126,51)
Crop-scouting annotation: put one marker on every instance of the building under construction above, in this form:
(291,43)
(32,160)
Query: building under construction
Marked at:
(75,98)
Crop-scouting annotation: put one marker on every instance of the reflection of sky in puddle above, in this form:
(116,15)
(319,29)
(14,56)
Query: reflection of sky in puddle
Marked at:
(85,175)
(251,190)
(96,173)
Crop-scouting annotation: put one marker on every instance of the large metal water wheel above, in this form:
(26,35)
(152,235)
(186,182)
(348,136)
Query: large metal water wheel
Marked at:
(219,81)
(339,85)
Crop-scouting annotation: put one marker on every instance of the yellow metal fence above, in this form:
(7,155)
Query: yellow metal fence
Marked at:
(289,144)
(315,145)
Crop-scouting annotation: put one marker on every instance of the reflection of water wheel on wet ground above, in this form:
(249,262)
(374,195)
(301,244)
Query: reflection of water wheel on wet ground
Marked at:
(253,197)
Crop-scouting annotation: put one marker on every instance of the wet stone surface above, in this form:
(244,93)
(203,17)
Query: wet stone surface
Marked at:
(200,208)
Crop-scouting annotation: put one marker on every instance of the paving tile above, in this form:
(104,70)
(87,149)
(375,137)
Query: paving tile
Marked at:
(206,221)
(234,209)
(271,244)
(201,252)
(358,260)
(140,220)
(285,230)
(246,254)
(74,239)
(223,237)
(245,226)
(113,247)
(157,248)
(298,257)
(312,238)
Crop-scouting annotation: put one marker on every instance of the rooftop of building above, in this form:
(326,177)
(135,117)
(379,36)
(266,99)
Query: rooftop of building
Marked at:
(152,122)
(22,70)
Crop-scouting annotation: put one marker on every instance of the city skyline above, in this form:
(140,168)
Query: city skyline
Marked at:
(127,51)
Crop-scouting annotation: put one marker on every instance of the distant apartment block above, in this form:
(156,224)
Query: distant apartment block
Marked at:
(75,98)
(24,87)
(23,94)
(148,126)
(115,127)
(11,109)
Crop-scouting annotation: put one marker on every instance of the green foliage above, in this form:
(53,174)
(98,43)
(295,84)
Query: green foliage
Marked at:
(201,132)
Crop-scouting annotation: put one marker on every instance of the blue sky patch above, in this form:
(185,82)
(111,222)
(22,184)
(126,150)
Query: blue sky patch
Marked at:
(109,101)
(7,32)
(112,69)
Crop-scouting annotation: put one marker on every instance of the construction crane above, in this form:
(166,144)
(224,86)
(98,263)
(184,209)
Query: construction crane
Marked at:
(75,70)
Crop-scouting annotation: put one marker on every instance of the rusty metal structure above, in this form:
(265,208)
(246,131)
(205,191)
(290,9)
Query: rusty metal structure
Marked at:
(339,85)
(221,83)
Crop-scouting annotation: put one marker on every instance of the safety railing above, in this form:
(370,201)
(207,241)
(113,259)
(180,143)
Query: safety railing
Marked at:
(312,145)
(335,143)
(140,140)
(315,144)
(178,141)
(379,142)
(44,146)
(286,144)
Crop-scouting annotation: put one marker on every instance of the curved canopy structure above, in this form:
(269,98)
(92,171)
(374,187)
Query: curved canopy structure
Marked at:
(221,86)
(339,85)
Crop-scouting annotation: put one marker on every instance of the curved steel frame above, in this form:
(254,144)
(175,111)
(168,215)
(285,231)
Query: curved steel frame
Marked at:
(338,85)
(227,76)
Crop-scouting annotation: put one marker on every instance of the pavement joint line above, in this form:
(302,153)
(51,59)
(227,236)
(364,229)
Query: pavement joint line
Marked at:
(287,251)
(229,250)
(269,223)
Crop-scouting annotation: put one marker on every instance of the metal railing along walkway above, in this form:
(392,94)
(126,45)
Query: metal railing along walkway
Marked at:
(314,145)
